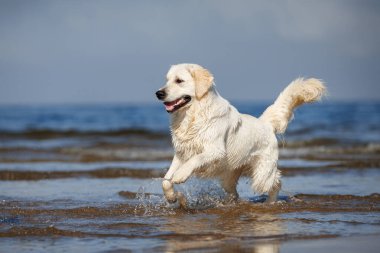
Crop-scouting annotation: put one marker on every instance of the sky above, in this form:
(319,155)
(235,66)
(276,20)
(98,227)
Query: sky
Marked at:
(112,51)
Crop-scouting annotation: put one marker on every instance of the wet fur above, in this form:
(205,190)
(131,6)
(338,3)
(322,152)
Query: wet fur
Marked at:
(212,139)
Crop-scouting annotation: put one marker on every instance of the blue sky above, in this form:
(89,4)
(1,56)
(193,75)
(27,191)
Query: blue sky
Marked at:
(119,51)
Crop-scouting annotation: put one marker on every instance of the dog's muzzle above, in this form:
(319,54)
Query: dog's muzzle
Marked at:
(173,106)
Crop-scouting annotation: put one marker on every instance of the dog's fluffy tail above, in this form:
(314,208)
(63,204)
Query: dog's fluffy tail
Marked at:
(298,92)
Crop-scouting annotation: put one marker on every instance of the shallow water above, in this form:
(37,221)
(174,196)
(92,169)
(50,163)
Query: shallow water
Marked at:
(88,179)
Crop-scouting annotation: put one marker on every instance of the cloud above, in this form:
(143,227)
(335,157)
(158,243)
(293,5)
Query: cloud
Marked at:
(352,26)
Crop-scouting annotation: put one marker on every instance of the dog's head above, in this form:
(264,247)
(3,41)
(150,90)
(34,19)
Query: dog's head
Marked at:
(185,83)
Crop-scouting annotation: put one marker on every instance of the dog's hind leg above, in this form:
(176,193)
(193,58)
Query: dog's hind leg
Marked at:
(273,193)
(265,175)
(229,181)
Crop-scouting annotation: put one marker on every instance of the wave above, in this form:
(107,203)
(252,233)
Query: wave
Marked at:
(50,133)
(308,143)
(10,175)
(317,197)
(297,203)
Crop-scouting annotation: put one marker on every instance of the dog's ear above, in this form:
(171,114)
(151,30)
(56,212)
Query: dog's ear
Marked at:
(203,81)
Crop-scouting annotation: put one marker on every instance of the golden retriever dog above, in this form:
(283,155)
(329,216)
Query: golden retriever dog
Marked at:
(212,139)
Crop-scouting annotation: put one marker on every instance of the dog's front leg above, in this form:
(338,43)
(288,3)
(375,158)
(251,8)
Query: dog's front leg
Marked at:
(167,186)
(176,163)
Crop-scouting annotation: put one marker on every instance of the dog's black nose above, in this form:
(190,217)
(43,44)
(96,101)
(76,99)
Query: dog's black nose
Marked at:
(161,94)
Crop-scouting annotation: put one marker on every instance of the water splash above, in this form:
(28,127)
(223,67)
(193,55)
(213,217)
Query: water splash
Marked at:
(202,194)
(199,194)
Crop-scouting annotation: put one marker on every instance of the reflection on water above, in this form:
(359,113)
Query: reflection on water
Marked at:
(225,231)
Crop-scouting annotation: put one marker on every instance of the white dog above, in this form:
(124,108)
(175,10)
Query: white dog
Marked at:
(212,139)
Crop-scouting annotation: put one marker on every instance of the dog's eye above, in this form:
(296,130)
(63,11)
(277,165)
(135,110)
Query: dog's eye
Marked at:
(178,81)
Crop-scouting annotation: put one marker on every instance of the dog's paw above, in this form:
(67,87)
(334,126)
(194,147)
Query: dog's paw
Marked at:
(167,185)
(169,193)
(180,202)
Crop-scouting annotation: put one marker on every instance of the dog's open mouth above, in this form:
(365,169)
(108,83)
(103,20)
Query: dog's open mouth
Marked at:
(177,104)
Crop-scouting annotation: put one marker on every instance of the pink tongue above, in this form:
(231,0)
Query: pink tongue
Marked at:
(169,106)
